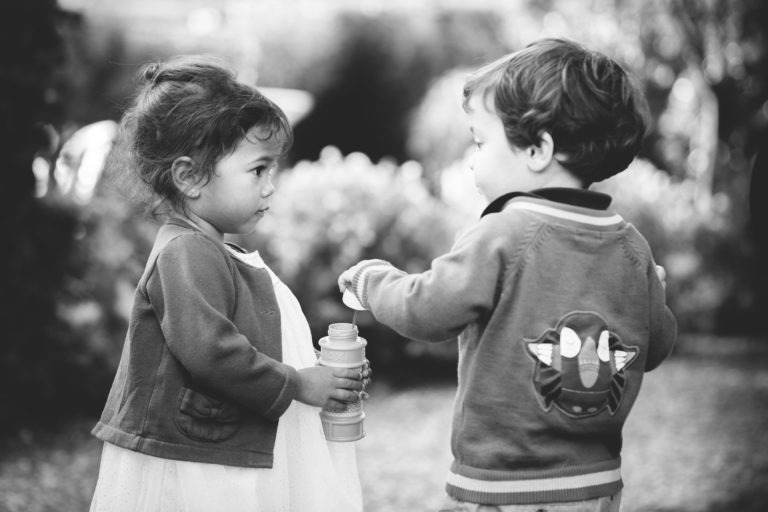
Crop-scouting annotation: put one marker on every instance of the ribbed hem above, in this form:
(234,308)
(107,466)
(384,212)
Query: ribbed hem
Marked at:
(519,488)
(360,279)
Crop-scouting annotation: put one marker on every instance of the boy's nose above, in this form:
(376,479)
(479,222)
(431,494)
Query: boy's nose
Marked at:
(269,189)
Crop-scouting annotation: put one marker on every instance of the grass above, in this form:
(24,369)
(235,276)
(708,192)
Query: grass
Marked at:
(694,443)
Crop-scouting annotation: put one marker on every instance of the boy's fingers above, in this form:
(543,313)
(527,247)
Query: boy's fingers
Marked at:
(345,278)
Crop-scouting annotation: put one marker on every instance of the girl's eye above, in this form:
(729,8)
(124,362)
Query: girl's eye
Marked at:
(478,144)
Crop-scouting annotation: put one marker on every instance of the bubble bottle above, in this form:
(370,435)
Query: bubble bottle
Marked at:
(343,348)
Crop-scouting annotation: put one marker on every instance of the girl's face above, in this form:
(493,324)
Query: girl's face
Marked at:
(498,166)
(237,195)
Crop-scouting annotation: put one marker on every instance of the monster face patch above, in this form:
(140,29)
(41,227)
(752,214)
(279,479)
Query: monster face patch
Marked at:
(580,365)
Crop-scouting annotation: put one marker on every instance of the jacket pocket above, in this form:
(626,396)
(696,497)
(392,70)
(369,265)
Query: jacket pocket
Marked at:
(203,418)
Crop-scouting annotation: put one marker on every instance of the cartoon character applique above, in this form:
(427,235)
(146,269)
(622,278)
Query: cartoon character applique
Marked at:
(580,365)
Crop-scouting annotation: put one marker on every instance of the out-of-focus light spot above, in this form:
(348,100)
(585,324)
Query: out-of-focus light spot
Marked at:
(764,110)
(668,46)
(683,90)
(733,54)
(554,24)
(41,168)
(697,162)
(81,159)
(294,102)
(663,75)
(204,21)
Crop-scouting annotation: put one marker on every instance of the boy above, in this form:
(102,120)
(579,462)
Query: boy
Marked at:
(555,299)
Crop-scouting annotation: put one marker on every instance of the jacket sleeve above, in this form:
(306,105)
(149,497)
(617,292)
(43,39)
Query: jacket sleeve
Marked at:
(439,303)
(193,292)
(663,326)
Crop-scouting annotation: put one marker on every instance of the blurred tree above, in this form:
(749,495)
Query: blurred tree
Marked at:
(718,52)
(40,360)
(383,67)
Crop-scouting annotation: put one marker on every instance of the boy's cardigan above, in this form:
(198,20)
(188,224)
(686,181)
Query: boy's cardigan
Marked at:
(559,311)
(200,377)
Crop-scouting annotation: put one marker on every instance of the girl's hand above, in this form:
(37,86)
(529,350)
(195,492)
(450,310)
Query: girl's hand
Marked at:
(329,388)
(662,273)
(365,376)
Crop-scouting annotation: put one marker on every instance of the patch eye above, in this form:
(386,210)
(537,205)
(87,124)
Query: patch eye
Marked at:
(602,347)
(570,343)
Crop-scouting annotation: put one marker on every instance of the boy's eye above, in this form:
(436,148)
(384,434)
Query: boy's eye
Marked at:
(261,169)
(478,144)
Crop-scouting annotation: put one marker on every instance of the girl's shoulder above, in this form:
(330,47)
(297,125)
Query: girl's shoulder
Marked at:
(178,246)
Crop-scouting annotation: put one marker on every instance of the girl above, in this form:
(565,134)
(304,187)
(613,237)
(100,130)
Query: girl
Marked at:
(215,401)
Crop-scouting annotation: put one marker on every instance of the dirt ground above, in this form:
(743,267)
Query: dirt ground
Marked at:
(695,442)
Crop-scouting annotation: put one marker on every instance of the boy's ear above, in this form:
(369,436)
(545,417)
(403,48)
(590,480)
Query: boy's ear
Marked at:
(182,170)
(539,157)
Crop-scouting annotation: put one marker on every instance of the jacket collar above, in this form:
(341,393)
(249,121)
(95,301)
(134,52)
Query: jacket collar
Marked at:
(572,196)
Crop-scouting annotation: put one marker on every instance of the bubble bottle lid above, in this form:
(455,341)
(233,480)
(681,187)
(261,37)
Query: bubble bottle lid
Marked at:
(350,300)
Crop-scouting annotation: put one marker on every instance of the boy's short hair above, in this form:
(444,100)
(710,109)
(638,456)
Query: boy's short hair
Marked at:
(585,100)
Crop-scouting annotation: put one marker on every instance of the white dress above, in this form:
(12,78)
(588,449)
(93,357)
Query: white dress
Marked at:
(309,473)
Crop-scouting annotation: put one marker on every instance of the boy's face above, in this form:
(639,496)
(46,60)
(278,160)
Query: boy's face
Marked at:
(498,166)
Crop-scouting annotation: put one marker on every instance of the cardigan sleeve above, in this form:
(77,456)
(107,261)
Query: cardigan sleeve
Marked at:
(193,293)
(436,305)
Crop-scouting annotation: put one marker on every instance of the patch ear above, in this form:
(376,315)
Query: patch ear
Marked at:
(541,351)
(624,358)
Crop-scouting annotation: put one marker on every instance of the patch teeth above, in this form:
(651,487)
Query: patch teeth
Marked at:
(620,358)
(544,353)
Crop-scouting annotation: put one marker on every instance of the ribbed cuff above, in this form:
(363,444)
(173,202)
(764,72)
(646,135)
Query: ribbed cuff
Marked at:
(360,279)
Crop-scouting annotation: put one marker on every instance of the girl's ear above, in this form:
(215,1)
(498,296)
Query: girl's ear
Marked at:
(182,170)
(539,157)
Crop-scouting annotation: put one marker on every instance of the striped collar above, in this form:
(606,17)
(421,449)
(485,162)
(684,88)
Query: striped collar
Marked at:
(574,205)
(572,196)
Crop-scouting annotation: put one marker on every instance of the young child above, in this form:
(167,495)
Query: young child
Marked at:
(216,399)
(555,299)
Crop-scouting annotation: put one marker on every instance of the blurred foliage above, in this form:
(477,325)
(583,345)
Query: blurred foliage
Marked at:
(329,214)
(45,368)
(382,68)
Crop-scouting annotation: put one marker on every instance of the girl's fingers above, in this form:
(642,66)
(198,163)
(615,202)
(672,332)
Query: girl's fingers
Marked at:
(353,384)
(335,406)
(343,395)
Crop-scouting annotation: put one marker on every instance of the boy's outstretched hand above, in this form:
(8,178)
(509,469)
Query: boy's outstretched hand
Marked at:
(330,388)
(662,276)
(345,278)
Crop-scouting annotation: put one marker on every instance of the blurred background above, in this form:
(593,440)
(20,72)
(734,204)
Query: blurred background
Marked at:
(378,169)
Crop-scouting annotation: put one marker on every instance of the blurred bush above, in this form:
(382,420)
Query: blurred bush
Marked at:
(705,257)
(328,214)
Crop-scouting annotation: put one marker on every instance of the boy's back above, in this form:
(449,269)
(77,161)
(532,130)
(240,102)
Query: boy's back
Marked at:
(549,373)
